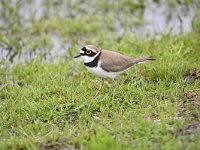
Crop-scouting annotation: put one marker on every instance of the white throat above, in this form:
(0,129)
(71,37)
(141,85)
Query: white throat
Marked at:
(88,59)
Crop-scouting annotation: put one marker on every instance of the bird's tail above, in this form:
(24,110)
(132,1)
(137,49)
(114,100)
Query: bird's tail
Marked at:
(142,60)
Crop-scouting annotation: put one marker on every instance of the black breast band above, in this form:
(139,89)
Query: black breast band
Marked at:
(93,63)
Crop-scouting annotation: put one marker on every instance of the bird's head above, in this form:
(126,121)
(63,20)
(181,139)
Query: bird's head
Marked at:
(88,53)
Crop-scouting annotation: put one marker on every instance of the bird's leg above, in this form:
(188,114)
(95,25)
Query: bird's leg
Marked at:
(100,87)
(114,88)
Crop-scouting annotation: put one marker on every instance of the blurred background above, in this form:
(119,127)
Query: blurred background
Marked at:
(56,29)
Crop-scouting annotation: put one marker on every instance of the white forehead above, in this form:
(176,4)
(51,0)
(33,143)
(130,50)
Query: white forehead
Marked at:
(81,51)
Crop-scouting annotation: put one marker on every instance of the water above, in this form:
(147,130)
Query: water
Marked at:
(158,18)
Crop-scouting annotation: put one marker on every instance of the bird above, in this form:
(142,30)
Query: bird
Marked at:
(106,63)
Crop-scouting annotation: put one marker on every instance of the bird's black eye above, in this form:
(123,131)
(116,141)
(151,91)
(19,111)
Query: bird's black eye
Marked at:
(88,52)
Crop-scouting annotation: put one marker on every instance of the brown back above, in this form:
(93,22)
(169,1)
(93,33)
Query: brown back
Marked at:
(114,62)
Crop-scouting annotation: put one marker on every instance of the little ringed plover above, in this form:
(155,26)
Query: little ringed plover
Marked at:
(107,64)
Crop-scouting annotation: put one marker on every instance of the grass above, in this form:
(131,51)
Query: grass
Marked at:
(47,105)
(51,105)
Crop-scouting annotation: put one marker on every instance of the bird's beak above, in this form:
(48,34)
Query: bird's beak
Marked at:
(78,56)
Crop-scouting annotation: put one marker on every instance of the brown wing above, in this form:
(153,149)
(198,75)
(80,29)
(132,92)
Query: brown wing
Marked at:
(114,62)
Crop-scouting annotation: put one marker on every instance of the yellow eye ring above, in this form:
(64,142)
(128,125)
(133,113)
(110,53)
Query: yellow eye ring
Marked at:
(88,52)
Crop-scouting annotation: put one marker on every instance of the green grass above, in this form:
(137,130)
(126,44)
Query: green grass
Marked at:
(47,105)
(51,105)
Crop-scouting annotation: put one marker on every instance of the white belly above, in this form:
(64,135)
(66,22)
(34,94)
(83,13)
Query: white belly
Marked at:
(98,71)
